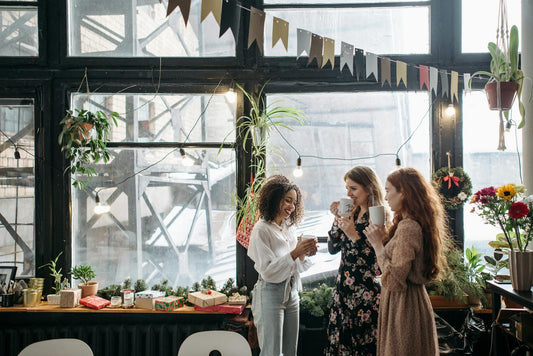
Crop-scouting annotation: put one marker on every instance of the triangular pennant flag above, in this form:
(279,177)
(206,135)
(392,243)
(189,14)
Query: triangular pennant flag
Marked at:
(316,49)
(401,73)
(454,86)
(257,27)
(329,52)
(359,63)
(280,31)
(230,18)
(346,56)
(184,5)
(303,40)
(444,83)
(371,65)
(385,71)
(433,79)
(424,77)
(466,78)
(211,6)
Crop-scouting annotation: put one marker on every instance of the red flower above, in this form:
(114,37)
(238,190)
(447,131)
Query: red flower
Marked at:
(518,210)
(483,196)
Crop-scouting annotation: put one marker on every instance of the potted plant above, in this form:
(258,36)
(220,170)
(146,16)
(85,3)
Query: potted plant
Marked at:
(505,77)
(476,277)
(314,305)
(59,282)
(83,138)
(85,273)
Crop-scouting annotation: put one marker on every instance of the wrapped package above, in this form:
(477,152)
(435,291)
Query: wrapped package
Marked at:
(70,298)
(94,302)
(223,308)
(207,298)
(146,298)
(166,303)
(236,298)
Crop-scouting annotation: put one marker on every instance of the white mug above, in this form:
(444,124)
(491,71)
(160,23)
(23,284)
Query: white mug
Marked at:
(377,215)
(345,206)
(305,237)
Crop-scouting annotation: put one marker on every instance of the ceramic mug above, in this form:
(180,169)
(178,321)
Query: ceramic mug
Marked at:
(377,214)
(345,206)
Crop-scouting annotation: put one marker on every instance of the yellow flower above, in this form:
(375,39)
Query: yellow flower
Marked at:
(506,191)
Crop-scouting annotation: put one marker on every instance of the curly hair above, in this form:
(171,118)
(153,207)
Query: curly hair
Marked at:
(422,203)
(271,194)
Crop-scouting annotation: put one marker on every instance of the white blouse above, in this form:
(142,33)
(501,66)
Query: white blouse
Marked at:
(270,248)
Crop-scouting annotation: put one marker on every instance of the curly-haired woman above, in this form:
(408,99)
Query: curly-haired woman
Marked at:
(279,257)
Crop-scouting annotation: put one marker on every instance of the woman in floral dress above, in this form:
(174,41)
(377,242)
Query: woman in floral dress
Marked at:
(353,318)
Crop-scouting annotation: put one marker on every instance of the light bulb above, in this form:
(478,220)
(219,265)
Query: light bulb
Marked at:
(101,208)
(185,160)
(298,172)
(450,110)
(231,96)
(398,162)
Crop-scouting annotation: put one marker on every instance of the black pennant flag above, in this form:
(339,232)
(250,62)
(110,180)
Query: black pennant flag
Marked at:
(360,69)
(230,18)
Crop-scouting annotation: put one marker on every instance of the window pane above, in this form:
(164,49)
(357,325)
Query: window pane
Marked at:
(340,127)
(326,2)
(165,117)
(480,23)
(377,30)
(18,32)
(485,165)
(17,183)
(166,221)
(115,29)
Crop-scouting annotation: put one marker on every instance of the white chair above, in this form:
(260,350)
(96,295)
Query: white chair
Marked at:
(57,347)
(228,343)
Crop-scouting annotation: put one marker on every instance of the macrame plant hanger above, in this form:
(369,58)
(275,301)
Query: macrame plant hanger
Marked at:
(502,41)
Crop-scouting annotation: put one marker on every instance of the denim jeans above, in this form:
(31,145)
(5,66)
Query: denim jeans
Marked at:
(277,322)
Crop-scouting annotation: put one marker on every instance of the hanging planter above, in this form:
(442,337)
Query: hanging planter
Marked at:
(506,97)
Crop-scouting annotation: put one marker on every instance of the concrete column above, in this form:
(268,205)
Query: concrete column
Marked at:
(526,38)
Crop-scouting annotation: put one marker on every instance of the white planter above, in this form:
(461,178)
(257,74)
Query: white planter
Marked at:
(53,299)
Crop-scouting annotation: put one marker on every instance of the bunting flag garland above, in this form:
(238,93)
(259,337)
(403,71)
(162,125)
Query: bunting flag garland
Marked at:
(303,42)
(433,79)
(371,65)
(184,5)
(257,28)
(346,57)
(424,76)
(444,83)
(385,71)
(211,6)
(454,87)
(317,44)
(230,18)
(280,31)
(329,53)
(401,73)
(360,63)
(466,77)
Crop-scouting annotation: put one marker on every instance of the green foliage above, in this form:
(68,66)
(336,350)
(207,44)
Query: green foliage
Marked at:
(110,291)
(208,283)
(84,147)
(316,301)
(453,278)
(55,273)
(196,287)
(163,287)
(139,286)
(127,284)
(83,273)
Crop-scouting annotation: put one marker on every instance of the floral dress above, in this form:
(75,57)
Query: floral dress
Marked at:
(353,317)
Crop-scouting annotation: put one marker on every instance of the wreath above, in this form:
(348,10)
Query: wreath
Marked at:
(453,185)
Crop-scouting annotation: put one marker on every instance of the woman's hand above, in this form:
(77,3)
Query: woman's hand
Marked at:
(347,225)
(334,208)
(307,247)
(375,235)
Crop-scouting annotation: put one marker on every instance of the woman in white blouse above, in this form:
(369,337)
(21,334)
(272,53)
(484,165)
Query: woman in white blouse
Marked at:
(279,257)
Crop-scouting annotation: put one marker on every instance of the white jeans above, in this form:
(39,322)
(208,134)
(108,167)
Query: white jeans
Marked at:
(277,322)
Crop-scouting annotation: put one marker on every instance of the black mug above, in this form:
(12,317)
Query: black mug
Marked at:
(8,300)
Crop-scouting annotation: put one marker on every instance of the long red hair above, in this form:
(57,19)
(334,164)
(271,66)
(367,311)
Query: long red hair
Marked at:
(422,203)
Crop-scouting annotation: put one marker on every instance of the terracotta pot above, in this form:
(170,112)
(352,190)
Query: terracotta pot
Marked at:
(521,269)
(507,94)
(83,132)
(90,289)
(441,302)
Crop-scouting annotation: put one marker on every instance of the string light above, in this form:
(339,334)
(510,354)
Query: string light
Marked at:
(231,96)
(450,110)
(508,126)
(298,170)
(100,208)
(185,160)
(17,153)
(398,162)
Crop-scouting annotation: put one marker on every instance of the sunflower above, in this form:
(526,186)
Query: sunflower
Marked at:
(506,191)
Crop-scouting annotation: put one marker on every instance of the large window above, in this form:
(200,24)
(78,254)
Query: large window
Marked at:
(344,130)
(117,28)
(166,220)
(19,31)
(17,182)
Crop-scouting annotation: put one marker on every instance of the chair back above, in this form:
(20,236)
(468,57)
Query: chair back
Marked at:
(228,343)
(57,347)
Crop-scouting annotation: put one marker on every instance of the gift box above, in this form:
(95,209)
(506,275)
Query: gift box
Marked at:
(236,298)
(223,308)
(166,303)
(94,302)
(146,298)
(207,298)
(180,302)
(69,298)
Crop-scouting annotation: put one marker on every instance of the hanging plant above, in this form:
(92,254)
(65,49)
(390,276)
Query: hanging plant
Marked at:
(453,185)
